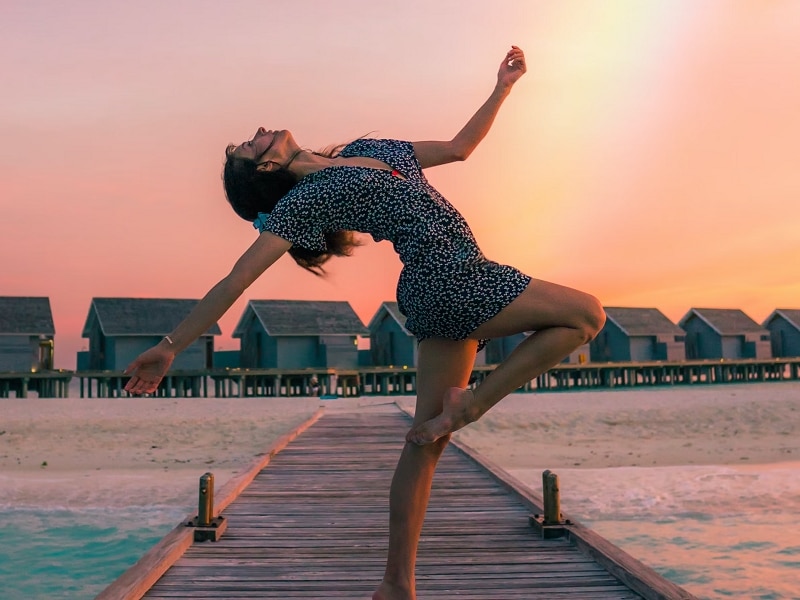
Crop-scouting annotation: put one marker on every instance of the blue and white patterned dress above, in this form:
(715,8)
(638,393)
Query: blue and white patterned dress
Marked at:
(447,287)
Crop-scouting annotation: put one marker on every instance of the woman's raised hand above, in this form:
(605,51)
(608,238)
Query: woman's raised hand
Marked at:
(512,67)
(148,369)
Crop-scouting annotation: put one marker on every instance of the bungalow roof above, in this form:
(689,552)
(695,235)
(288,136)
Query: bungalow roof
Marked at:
(393,309)
(303,317)
(792,316)
(26,315)
(725,321)
(642,321)
(139,316)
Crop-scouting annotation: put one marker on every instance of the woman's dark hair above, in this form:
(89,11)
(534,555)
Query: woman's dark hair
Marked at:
(250,191)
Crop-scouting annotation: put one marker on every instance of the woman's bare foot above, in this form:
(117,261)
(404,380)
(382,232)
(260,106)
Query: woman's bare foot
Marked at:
(458,410)
(387,591)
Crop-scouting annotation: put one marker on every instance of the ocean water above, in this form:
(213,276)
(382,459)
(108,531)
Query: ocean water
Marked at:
(720,532)
(717,531)
(58,553)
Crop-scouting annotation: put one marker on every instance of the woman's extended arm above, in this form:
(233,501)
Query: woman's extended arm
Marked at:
(149,367)
(433,153)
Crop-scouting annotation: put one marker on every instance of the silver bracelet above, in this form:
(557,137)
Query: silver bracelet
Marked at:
(169,340)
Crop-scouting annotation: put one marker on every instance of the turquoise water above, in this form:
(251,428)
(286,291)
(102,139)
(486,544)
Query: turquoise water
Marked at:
(696,552)
(717,531)
(720,532)
(75,554)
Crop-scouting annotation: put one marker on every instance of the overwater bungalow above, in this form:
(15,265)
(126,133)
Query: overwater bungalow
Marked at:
(724,333)
(391,344)
(299,334)
(783,325)
(27,334)
(119,329)
(498,349)
(638,335)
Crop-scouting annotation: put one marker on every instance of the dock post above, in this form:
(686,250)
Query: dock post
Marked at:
(552,501)
(205,505)
(550,524)
(206,526)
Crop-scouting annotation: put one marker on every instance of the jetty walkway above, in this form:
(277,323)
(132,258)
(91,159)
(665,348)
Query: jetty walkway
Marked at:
(310,520)
(384,381)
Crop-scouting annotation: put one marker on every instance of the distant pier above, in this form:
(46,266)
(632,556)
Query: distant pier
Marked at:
(391,381)
(47,384)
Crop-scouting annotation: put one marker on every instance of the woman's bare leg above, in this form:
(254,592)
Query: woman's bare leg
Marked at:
(442,364)
(561,318)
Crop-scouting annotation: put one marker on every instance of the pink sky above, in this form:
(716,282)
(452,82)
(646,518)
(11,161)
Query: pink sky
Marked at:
(649,156)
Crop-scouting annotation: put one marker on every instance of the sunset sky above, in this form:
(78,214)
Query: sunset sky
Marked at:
(650,156)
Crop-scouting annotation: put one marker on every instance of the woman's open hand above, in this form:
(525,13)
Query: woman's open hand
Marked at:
(148,369)
(512,67)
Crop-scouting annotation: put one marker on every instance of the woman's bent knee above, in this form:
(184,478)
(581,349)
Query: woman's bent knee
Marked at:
(594,317)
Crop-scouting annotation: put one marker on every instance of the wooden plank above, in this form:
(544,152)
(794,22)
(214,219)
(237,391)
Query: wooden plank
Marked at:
(231,490)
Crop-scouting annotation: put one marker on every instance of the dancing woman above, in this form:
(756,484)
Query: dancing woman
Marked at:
(454,298)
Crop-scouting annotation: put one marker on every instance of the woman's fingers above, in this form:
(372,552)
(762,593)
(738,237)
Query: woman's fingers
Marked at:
(137,385)
(515,56)
(143,387)
(131,385)
(146,372)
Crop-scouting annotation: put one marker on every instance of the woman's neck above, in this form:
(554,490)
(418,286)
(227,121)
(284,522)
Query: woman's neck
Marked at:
(306,162)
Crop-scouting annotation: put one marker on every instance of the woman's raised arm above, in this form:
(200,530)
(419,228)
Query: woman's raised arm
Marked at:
(149,368)
(432,153)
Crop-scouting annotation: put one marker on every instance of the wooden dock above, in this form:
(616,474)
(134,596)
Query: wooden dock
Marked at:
(386,381)
(47,384)
(311,521)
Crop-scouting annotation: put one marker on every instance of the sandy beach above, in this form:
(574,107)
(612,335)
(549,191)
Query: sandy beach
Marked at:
(710,425)
(127,451)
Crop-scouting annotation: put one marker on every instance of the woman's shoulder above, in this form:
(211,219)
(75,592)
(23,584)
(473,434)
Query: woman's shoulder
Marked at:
(357,147)
(397,153)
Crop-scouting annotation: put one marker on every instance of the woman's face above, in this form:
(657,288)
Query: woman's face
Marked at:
(265,145)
